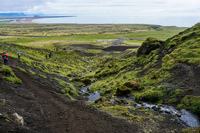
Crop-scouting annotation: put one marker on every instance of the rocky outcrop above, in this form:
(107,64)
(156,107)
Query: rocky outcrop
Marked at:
(149,45)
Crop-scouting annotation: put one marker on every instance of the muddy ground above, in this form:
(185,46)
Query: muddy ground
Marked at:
(45,109)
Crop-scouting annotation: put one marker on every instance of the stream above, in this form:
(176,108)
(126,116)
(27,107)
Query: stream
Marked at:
(190,119)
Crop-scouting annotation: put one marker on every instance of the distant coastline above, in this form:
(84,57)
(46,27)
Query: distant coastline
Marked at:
(27,19)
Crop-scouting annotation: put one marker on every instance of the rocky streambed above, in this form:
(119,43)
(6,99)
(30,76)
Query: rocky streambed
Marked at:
(183,116)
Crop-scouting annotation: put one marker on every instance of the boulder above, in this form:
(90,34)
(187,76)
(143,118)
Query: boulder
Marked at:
(86,81)
(123,91)
(134,84)
(149,45)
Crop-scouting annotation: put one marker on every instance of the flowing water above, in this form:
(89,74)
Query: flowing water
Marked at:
(183,115)
(91,96)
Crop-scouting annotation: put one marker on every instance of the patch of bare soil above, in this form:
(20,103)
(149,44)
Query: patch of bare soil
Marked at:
(45,109)
(119,48)
(86,46)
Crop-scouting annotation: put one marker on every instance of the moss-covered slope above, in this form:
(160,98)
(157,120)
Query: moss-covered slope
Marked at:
(164,71)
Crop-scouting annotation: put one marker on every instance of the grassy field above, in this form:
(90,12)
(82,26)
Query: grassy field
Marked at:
(46,35)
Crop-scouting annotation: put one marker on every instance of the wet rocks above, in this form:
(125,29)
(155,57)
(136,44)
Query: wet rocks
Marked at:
(98,100)
(112,101)
(178,114)
(1,115)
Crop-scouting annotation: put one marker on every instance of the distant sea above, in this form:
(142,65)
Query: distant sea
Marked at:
(165,21)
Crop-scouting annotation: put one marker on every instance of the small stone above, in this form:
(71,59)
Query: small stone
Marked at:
(178,114)
(147,107)
(172,119)
(1,115)
(19,119)
(112,101)
(153,107)
(160,111)
(167,111)
(86,94)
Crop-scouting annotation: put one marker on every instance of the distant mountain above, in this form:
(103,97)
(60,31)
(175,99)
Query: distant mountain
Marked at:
(12,14)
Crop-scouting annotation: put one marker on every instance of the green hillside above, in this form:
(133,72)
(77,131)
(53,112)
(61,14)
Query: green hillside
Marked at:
(164,72)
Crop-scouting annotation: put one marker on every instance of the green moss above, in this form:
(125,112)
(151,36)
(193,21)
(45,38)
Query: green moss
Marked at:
(68,95)
(134,84)
(148,45)
(175,93)
(12,79)
(117,111)
(153,96)
(6,70)
(168,62)
(9,75)
(31,72)
(21,69)
(61,82)
(150,94)
(191,130)
(191,103)
(180,106)
(42,76)
(173,100)
(123,90)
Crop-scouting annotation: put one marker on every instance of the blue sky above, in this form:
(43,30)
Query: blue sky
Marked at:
(130,8)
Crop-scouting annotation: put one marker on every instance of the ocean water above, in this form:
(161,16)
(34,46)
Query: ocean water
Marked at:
(165,21)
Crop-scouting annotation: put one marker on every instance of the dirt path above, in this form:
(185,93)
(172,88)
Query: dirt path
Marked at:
(44,109)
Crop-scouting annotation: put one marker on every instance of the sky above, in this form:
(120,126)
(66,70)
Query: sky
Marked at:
(185,11)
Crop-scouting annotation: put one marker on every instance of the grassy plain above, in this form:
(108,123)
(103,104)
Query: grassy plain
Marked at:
(44,35)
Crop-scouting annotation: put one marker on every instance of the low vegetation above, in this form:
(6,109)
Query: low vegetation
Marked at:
(8,75)
(155,72)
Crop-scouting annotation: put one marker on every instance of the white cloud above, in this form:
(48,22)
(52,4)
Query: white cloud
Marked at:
(132,8)
(109,7)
